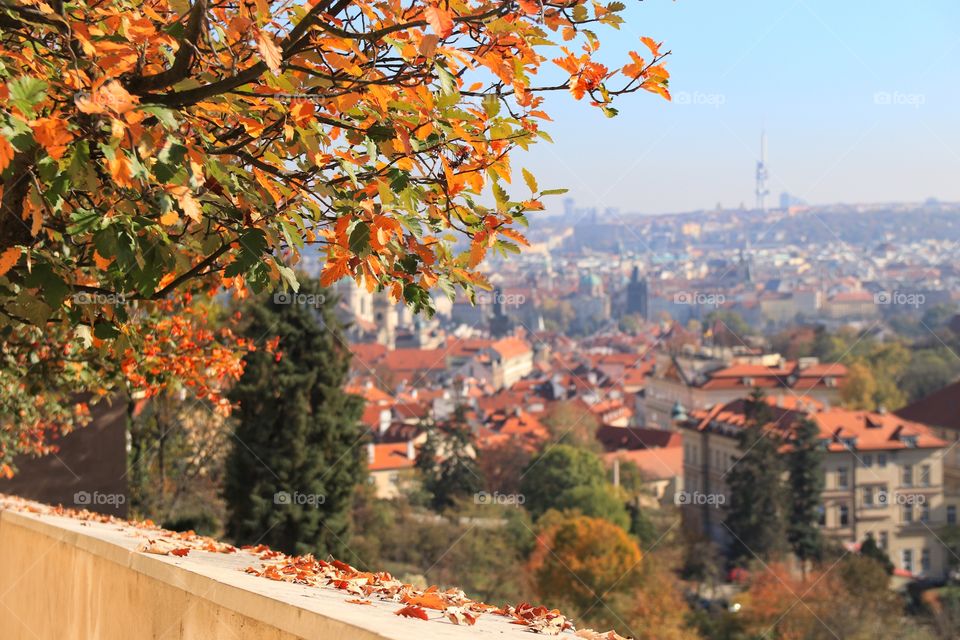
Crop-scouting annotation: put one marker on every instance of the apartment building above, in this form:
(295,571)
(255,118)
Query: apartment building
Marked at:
(695,382)
(883,476)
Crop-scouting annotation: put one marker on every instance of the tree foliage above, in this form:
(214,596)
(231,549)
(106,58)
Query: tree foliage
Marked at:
(297,453)
(756,516)
(550,478)
(579,560)
(149,147)
(804,466)
(447,462)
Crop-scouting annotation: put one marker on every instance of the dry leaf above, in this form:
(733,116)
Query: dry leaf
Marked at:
(412,612)
(270,52)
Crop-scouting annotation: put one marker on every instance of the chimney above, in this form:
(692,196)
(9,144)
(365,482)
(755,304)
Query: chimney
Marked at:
(411,452)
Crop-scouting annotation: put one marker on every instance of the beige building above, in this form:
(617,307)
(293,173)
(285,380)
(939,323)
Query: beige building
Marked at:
(696,383)
(883,476)
(391,467)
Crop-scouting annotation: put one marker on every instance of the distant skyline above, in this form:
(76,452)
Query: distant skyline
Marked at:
(858,99)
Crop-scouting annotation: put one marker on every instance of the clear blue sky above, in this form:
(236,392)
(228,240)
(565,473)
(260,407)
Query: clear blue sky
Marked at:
(810,71)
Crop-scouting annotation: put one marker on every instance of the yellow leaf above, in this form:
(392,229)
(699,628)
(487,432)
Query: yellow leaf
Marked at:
(170,218)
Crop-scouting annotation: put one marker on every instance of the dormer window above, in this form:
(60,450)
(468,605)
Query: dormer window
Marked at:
(849,443)
(909,441)
(830,381)
(748,382)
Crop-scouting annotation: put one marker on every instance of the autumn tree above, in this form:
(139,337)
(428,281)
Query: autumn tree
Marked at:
(298,446)
(580,560)
(152,147)
(756,516)
(805,481)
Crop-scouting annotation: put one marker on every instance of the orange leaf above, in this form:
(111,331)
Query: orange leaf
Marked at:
(428,600)
(529,7)
(102,263)
(357,601)
(169,218)
(270,52)
(180,552)
(9,258)
(412,612)
(6,153)
(440,20)
(652,44)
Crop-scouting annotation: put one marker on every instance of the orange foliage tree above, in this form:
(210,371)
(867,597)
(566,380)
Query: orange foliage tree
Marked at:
(580,561)
(149,147)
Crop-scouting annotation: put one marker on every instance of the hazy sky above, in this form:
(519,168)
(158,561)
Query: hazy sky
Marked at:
(860,100)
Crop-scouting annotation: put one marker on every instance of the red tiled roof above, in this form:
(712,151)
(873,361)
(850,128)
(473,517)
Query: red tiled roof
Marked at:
(410,360)
(511,347)
(390,455)
(655,464)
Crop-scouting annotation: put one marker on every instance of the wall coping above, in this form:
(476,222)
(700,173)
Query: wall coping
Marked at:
(220,578)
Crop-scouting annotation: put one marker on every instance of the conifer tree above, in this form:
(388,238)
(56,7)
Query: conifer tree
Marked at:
(804,464)
(756,516)
(298,446)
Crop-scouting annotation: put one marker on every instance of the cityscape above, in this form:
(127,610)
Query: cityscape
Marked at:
(479,318)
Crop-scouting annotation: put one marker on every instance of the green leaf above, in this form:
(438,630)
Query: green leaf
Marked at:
(553,192)
(360,239)
(105,331)
(167,117)
(26,91)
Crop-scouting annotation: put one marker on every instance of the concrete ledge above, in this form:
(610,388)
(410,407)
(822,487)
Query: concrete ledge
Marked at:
(63,578)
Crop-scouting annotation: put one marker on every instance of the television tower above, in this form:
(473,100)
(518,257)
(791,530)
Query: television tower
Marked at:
(762,190)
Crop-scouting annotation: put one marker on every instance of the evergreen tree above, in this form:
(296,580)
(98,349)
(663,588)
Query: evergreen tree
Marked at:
(870,549)
(298,453)
(447,462)
(756,516)
(806,484)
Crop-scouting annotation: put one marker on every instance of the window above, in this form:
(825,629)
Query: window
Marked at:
(822,516)
(951,514)
(925,475)
(884,539)
(844,515)
(906,513)
(906,560)
(881,459)
(924,512)
(925,560)
(868,497)
(843,480)
(906,478)
(867,461)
